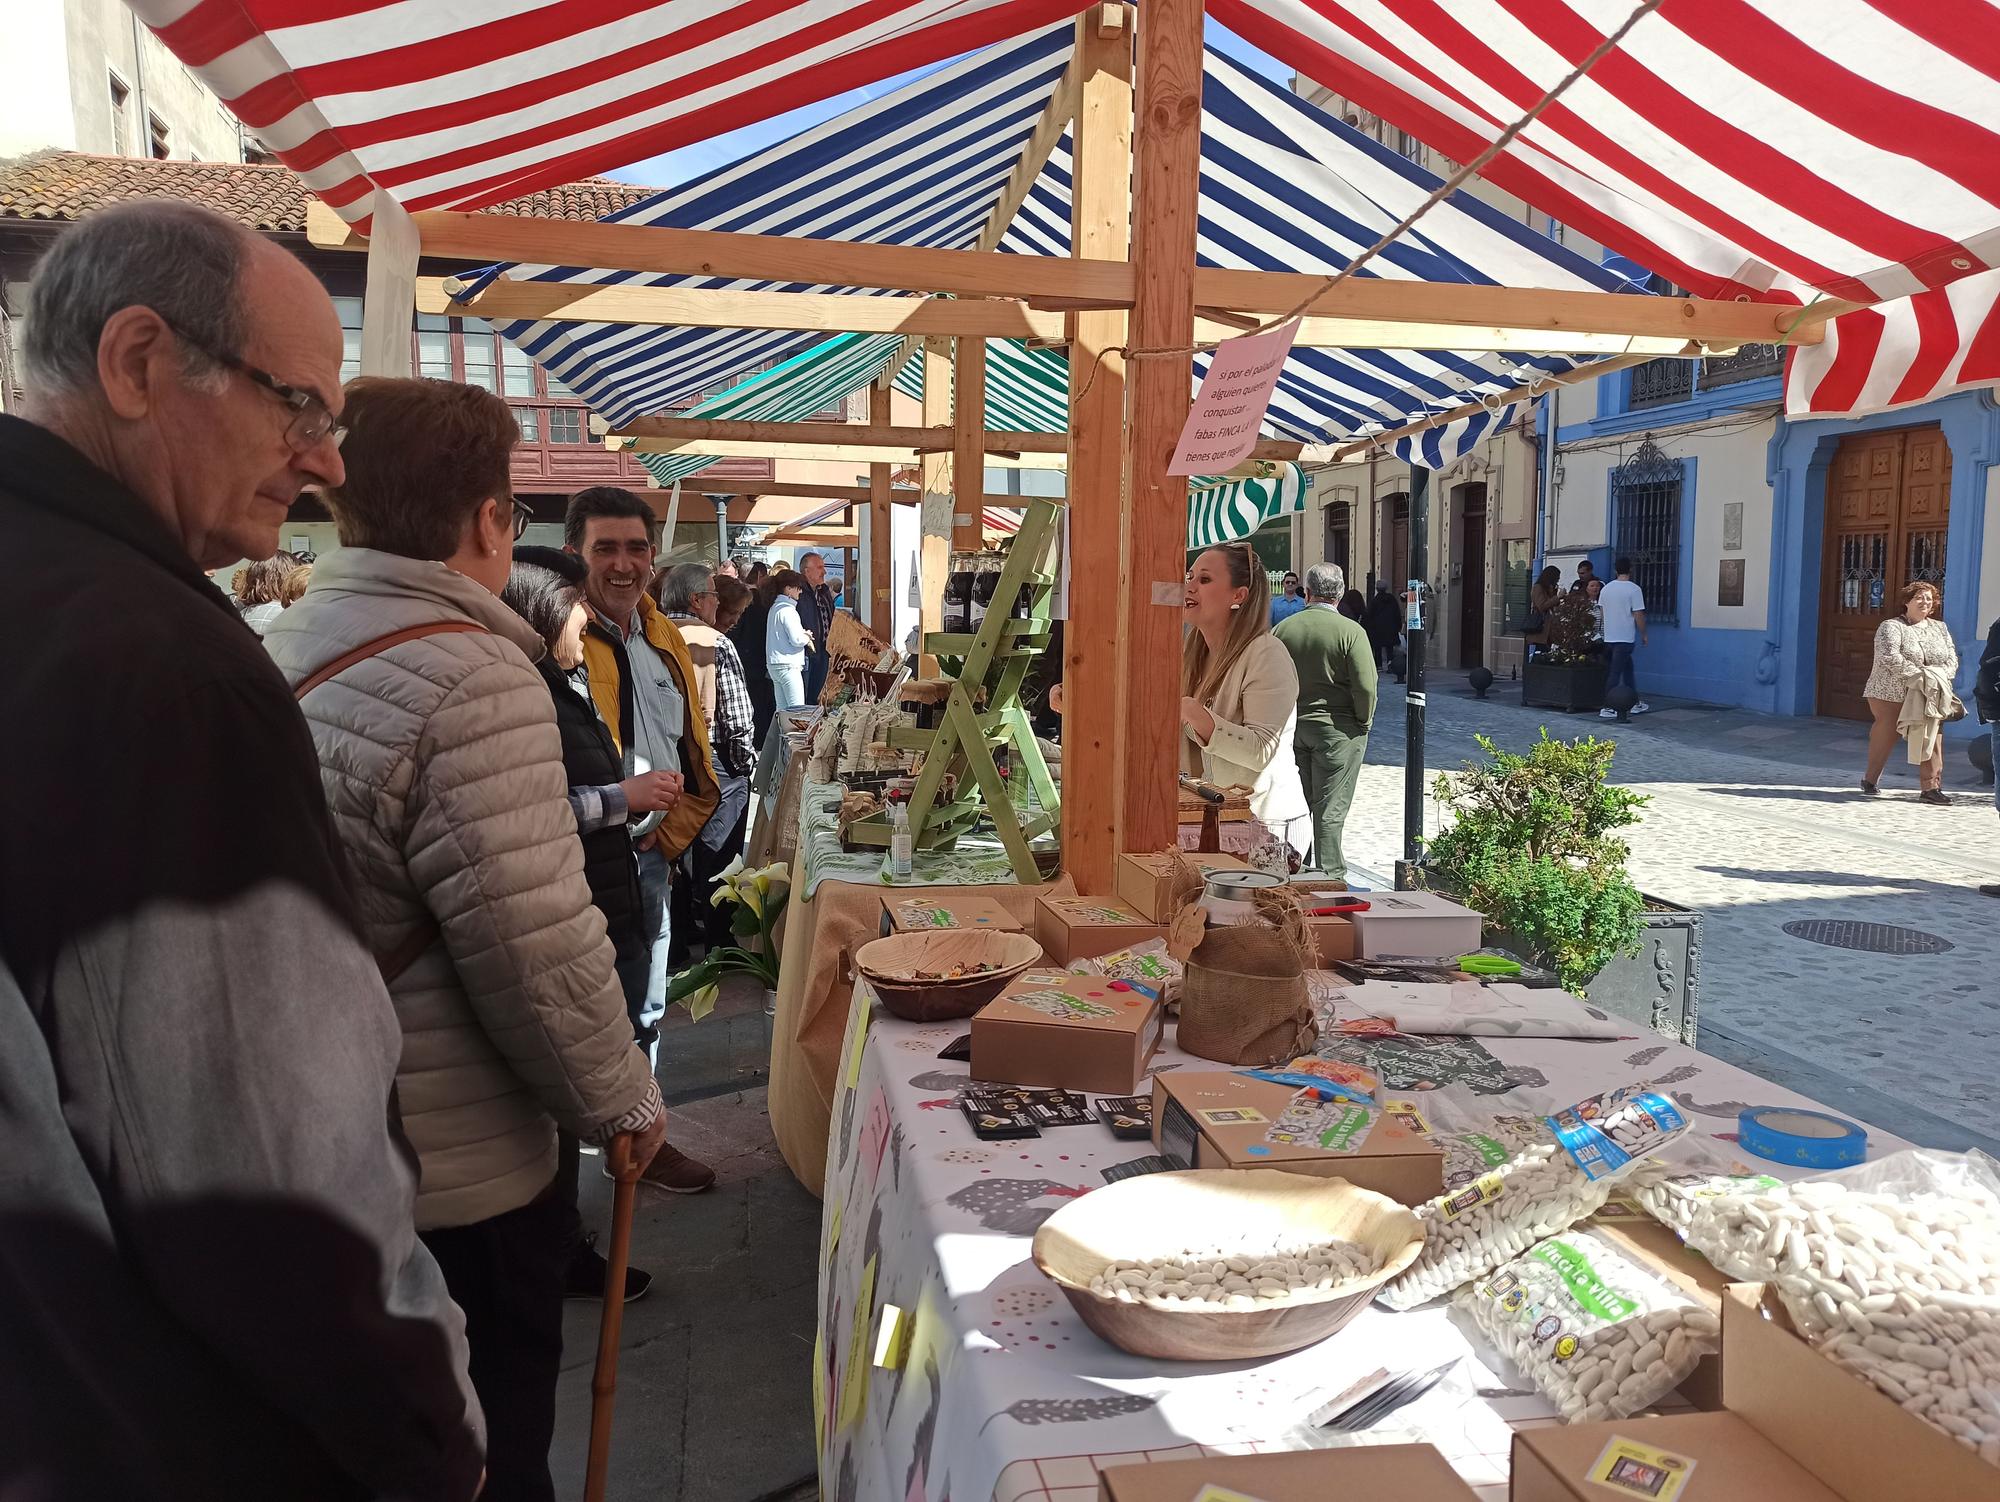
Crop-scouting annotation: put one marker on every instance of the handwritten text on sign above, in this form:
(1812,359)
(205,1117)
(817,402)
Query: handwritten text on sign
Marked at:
(1229,409)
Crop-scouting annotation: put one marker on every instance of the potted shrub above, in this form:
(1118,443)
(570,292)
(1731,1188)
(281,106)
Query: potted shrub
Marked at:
(1533,844)
(1569,674)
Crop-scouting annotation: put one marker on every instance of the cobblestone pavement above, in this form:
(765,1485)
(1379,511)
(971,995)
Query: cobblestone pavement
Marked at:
(1757,841)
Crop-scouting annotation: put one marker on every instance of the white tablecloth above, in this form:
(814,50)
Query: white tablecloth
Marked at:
(1004,1394)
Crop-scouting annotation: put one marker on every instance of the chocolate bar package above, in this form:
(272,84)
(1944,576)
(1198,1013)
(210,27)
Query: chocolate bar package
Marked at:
(1130,1117)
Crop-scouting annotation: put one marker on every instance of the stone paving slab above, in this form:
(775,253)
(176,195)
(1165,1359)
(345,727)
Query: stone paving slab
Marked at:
(1757,842)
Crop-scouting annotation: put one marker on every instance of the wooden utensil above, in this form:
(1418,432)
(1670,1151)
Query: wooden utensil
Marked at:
(604,1380)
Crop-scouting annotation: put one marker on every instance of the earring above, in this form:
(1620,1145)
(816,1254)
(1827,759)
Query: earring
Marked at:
(1237,606)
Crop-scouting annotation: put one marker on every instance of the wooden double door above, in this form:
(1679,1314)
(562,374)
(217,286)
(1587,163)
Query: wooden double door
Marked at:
(1888,508)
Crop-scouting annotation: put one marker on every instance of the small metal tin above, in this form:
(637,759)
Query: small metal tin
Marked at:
(1229,897)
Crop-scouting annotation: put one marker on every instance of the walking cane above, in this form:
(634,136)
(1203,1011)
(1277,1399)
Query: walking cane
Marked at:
(604,1380)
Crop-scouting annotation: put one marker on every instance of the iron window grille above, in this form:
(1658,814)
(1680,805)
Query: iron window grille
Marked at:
(1646,509)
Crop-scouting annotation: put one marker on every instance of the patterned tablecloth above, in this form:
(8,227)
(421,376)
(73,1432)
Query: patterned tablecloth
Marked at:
(1005,1395)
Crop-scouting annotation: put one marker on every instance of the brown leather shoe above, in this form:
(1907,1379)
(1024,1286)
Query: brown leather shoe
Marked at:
(675,1172)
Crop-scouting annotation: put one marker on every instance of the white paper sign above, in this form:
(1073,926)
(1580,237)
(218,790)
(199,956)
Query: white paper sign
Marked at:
(1228,411)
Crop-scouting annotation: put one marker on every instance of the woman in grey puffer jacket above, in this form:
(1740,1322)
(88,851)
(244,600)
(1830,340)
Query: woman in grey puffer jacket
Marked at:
(442,766)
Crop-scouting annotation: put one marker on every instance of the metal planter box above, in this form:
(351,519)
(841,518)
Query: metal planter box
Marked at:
(1568,686)
(1660,986)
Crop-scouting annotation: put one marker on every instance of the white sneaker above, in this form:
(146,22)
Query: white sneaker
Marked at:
(1641,707)
(1607,714)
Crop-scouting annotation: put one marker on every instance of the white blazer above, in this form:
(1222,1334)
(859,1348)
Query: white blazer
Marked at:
(1255,707)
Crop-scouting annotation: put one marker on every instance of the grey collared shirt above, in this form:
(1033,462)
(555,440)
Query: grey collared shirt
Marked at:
(659,713)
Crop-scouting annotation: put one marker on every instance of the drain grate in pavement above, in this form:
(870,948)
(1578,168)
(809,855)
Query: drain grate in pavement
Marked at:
(1875,938)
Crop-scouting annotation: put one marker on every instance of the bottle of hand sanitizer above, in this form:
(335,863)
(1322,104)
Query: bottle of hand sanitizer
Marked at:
(899,839)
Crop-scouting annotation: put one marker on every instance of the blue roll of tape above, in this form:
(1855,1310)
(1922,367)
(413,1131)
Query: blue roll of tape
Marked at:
(1810,1139)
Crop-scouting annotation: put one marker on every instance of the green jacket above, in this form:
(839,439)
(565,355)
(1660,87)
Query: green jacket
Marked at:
(1336,669)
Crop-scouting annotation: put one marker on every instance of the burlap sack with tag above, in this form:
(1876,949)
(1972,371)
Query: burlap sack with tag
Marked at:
(1243,997)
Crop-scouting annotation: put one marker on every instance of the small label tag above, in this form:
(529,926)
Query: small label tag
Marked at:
(1631,1469)
(1171,592)
(1062,1006)
(1481,1191)
(1178,1135)
(1234,1116)
(1185,936)
(924,915)
(1408,1117)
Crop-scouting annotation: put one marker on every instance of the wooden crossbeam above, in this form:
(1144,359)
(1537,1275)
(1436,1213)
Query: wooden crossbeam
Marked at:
(1070,282)
(720,308)
(843,452)
(875,435)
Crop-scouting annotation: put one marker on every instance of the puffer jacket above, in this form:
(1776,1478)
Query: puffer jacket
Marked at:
(443,770)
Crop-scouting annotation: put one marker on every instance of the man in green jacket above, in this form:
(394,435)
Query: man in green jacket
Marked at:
(1336,668)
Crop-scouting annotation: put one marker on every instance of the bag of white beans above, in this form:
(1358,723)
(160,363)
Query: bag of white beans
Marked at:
(1891,1268)
(1495,1207)
(1600,1336)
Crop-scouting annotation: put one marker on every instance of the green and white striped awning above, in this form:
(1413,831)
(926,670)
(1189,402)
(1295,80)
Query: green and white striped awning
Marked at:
(1027,391)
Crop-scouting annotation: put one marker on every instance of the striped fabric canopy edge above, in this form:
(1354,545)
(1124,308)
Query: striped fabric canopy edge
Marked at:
(1285,187)
(443,105)
(1844,148)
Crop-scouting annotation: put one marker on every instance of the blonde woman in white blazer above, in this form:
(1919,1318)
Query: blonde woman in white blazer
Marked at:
(1241,692)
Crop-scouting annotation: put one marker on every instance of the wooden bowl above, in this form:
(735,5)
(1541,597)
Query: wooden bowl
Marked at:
(1164,1214)
(894,966)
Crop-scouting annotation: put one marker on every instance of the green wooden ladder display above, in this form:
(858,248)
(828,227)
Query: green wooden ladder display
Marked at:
(984,712)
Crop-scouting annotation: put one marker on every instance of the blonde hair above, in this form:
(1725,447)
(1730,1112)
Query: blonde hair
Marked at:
(1199,674)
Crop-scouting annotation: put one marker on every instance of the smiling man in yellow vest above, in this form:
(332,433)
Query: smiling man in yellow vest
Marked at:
(642,682)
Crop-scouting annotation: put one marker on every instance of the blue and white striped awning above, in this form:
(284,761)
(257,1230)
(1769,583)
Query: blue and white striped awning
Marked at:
(1285,187)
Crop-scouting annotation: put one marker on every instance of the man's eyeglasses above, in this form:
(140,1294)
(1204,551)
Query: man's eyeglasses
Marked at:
(312,421)
(523,514)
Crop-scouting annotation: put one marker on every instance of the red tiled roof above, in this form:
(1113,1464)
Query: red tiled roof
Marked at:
(66,185)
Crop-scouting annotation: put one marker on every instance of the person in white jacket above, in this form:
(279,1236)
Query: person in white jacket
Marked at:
(1240,691)
(442,765)
(786,639)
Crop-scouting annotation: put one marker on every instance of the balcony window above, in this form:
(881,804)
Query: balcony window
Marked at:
(434,360)
(1749,362)
(1659,383)
(565,425)
(481,358)
(349,309)
(530,423)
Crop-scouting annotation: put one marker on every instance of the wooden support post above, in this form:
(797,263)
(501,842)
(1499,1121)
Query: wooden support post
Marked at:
(968,449)
(879,610)
(391,301)
(1100,226)
(935,562)
(1167,164)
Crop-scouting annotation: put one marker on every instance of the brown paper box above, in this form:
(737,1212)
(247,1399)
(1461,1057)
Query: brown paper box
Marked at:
(909,911)
(1417,924)
(1144,880)
(1014,1043)
(1654,1246)
(1333,939)
(1391,1160)
(1082,928)
(1380,1473)
(1732,1461)
(1851,1436)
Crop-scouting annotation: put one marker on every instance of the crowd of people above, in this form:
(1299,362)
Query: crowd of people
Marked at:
(302,1064)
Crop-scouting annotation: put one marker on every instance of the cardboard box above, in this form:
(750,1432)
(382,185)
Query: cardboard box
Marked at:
(1226,1118)
(1382,1473)
(1067,1032)
(1853,1437)
(1654,1246)
(910,911)
(1143,880)
(1418,924)
(1081,928)
(1334,938)
(1732,1462)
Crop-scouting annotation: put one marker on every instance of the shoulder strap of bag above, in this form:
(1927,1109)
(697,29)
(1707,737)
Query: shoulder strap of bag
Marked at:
(404,954)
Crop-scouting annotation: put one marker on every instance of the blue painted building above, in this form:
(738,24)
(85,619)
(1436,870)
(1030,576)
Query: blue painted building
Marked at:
(1770,549)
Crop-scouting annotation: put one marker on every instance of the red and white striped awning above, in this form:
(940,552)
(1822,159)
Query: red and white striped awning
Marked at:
(1905,352)
(1760,148)
(443,104)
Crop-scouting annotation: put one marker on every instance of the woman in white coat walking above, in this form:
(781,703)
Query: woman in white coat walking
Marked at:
(443,769)
(786,640)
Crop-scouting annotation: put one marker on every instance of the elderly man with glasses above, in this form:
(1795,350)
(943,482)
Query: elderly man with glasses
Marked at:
(210,1283)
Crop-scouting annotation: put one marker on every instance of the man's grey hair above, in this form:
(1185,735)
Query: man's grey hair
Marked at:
(1326,581)
(183,261)
(680,584)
